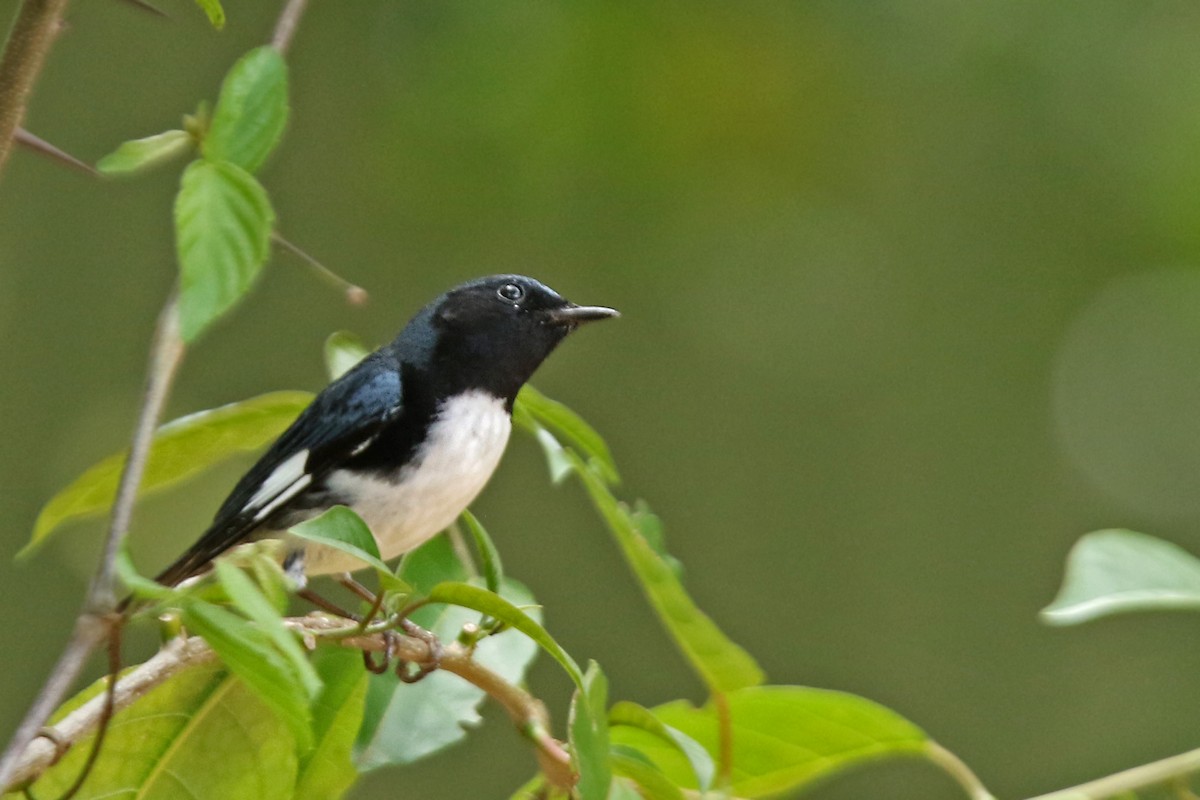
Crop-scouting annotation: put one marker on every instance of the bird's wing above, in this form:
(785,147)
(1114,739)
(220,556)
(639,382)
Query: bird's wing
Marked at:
(341,421)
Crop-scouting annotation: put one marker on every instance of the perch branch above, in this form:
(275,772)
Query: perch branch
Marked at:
(527,712)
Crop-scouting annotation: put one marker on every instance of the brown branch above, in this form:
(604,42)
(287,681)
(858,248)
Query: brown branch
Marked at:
(97,618)
(527,712)
(32,34)
(285,28)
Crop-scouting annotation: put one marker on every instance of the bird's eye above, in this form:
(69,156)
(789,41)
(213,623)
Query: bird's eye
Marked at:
(510,292)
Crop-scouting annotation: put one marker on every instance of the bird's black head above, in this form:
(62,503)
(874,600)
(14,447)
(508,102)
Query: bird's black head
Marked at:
(492,333)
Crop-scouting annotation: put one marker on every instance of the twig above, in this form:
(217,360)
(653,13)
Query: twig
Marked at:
(97,617)
(956,768)
(526,711)
(285,28)
(1130,780)
(25,52)
(42,147)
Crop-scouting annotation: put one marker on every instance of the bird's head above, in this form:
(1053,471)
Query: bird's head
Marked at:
(494,332)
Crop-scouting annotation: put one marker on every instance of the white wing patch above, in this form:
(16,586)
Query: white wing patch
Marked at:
(281,485)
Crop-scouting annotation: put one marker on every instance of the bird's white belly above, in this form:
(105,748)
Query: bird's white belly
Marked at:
(461,450)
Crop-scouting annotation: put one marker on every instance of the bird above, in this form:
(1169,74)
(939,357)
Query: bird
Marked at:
(407,438)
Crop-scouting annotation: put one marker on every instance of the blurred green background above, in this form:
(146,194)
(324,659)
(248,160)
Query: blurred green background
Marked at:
(910,302)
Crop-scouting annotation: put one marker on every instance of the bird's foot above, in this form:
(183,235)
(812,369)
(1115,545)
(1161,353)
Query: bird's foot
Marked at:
(413,671)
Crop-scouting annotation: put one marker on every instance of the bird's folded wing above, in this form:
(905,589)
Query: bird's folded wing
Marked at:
(340,421)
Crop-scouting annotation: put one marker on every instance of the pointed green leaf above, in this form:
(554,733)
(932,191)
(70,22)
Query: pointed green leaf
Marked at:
(223,222)
(721,663)
(588,726)
(342,351)
(250,600)
(634,715)
(328,770)
(404,723)
(785,738)
(1117,571)
(344,530)
(249,654)
(565,423)
(181,449)
(557,461)
(432,563)
(474,597)
(216,14)
(493,570)
(203,729)
(139,154)
(251,110)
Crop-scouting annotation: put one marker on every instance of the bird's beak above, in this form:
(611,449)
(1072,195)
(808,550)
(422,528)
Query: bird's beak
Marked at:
(574,315)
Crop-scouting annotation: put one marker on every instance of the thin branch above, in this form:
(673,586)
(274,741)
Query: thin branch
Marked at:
(42,147)
(285,28)
(97,618)
(1130,780)
(32,34)
(526,711)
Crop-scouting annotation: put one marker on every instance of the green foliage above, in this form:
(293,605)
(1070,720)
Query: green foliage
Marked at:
(251,111)
(141,154)
(403,722)
(588,725)
(203,733)
(722,664)
(784,737)
(214,11)
(342,529)
(641,718)
(479,599)
(548,420)
(223,223)
(252,655)
(327,770)
(1117,571)
(181,449)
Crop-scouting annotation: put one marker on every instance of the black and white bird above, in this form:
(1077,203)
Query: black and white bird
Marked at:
(409,436)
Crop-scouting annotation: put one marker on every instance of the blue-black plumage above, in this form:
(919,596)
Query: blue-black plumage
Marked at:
(410,435)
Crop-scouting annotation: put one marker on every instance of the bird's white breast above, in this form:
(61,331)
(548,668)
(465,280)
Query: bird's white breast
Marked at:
(461,450)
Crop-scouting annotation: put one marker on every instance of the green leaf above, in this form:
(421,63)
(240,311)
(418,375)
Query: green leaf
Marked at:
(468,596)
(342,351)
(216,14)
(203,729)
(404,723)
(181,449)
(493,570)
(328,770)
(342,529)
(634,715)
(251,111)
(721,663)
(430,564)
(785,738)
(588,727)
(249,654)
(564,422)
(139,154)
(223,222)
(250,600)
(1117,571)
(557,460)
(653,785)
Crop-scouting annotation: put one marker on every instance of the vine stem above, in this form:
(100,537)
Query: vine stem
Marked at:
(956,768)
(97,617)
(29,41)
(1130,780)
(285,27)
